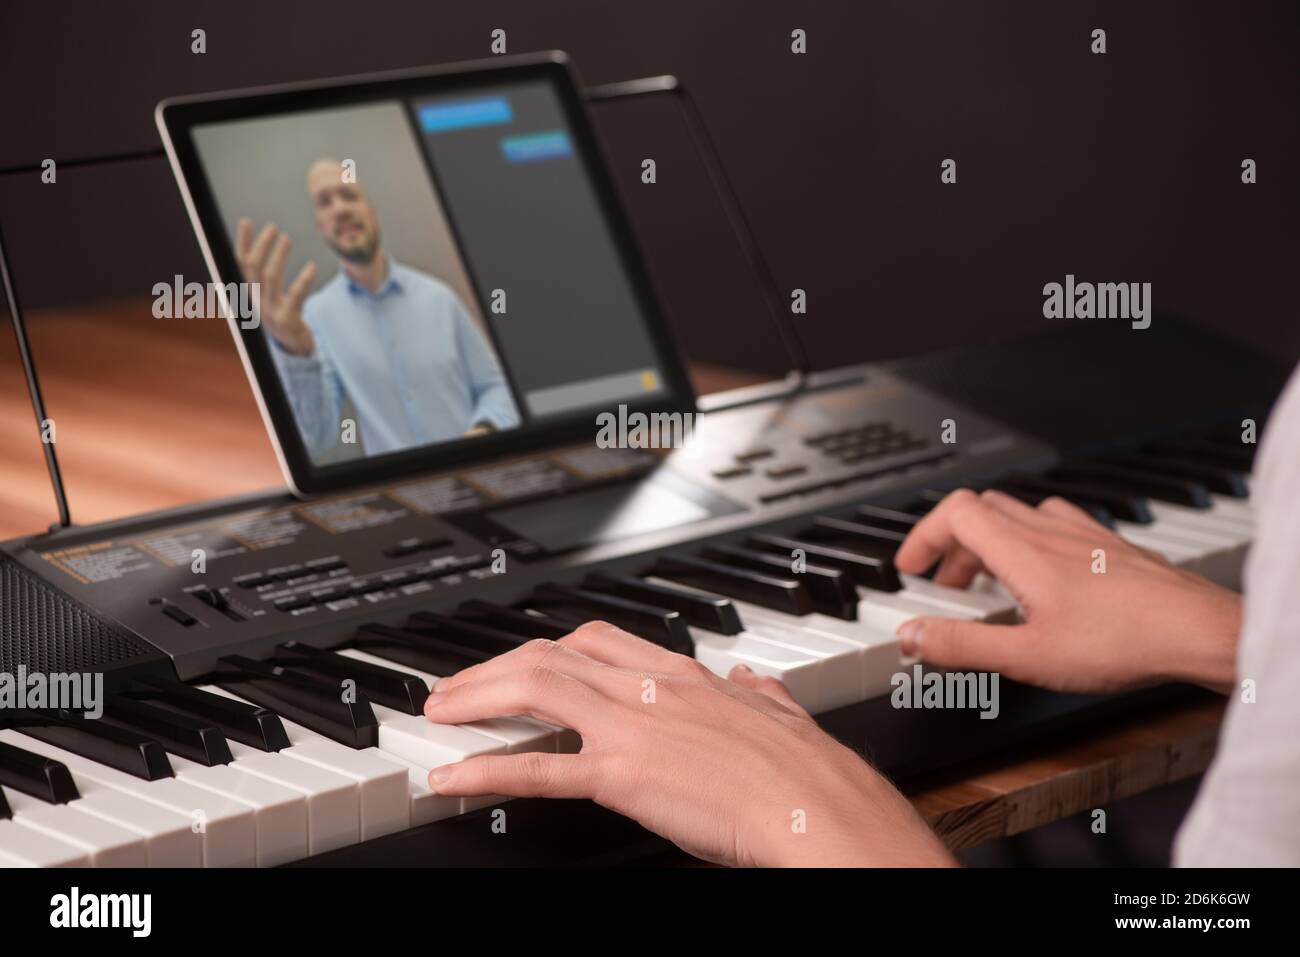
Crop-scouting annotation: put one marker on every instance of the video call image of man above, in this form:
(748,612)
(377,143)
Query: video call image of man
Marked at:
(395,342)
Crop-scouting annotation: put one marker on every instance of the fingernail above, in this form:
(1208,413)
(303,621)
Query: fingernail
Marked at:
(745,669)
(909,635)
(439,776)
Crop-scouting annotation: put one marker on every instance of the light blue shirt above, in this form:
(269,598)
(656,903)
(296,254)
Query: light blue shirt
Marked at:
(414,364)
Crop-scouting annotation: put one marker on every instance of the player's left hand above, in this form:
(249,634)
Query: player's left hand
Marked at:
(732,771)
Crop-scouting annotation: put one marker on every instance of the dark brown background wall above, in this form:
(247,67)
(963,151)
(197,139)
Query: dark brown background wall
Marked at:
(1122,167)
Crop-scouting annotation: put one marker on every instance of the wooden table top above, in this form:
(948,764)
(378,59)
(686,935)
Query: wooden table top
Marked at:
(154,413)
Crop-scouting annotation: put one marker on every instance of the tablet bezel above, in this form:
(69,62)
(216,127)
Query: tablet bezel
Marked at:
(176,118)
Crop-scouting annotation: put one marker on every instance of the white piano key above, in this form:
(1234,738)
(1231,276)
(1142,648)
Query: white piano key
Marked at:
(888,610)
(1142,536)
(333,801)
(798,670)
(425,804)
(385,804)
(227,828)
(1206,518)
(880,656)
(818,666)
(380,798)
(840,677)
(1234,507)
(979,606)
(33,849)
(517,733)
(168,837)
(1203,537)
(281,812)
(105,844)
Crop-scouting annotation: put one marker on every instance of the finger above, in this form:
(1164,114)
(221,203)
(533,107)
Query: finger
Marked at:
(958,568)
(243,238)
(962,520)
(275,265)
(535,654)
(1012,507)
(532,774)
(614,646)
(543,693)
(262,247)
(301,283)
(968,645)
(1066,511)
(766,685)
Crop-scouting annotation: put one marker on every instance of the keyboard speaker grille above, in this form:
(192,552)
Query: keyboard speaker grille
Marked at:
(45,630)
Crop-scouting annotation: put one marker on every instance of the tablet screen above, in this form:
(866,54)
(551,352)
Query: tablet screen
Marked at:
(433,267)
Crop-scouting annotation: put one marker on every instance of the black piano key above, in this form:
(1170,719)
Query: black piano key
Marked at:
(404,648)
(925,501)
(249,724)
(1130,508)
(1098,513)
(858,537)
(1136,481)
(1240,458)
(831,590)
(483,638)
(869,571)
(710,612)
(1230,440)
(663,626)
(454,646)
(782,593)
(128,751)
(5,812)
(194,738)
(884,517)
(387,686)
(35,774)
(522,623)
(314,703)
(1217,478)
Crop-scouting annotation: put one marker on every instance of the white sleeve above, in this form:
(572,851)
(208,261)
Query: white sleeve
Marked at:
(1247,813)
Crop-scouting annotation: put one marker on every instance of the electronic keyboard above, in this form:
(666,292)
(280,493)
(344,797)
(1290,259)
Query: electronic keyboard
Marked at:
(226,631)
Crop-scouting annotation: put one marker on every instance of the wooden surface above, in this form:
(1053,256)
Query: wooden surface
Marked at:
(152,413)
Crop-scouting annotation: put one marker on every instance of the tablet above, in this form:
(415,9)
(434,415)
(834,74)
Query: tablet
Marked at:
(421,268)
